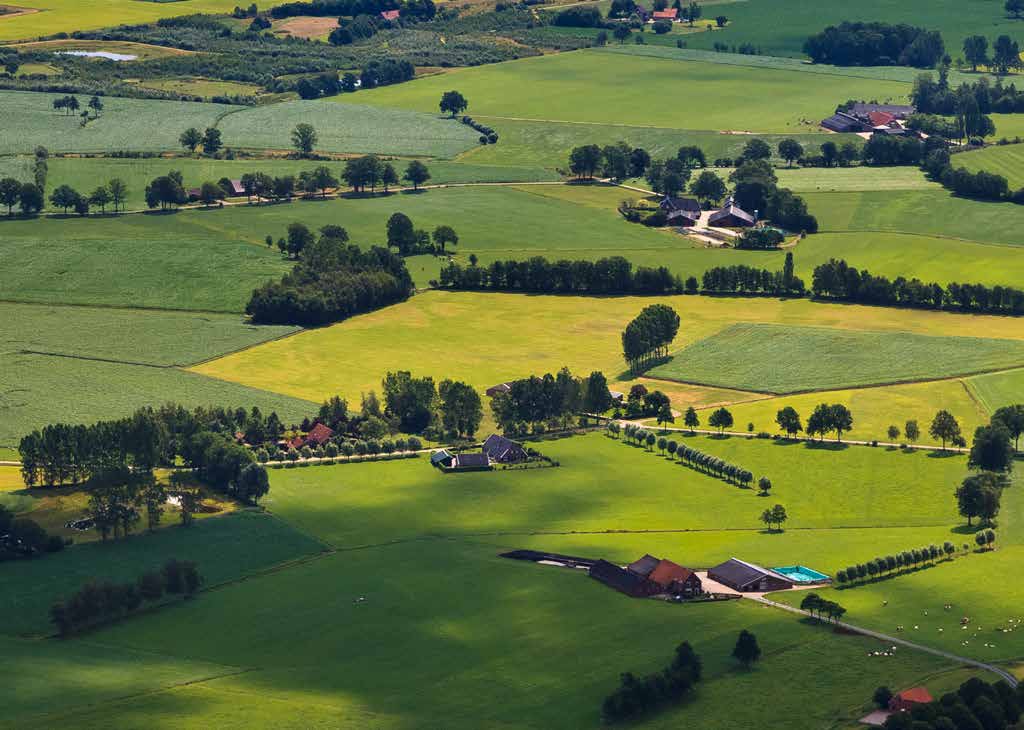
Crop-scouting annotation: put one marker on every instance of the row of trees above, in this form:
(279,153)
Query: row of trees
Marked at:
(889,564)
(755,190)
(875,44)
(1005,51)
(96,603)
(611,275)
(822,607)
(636,697)
(331,281)
(840,281)
(976,705)
(743,279)
(70,105)
(410,240)
(694,458)
(550,400)
(647,337)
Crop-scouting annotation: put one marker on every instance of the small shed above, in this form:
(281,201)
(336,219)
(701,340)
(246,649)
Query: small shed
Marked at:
(470,462)
(622,580)
(442,458)
(909,698)
(747,577)
(498,389)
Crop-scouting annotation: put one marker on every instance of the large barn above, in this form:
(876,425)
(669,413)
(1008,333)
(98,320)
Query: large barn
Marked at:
(747,577)
(676,579)
(622,580)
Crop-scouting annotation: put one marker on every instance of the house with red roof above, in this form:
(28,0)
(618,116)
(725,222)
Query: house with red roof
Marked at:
(389,15)
(910,698)
(676,579)
(319,435)
(666,14)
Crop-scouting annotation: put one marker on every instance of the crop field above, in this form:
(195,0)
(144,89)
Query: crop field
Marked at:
(574,87)
(353,356)
(205,88)
(757,22)
(1005,160)
(58,363)
(349,128)
(828,359)
(873,409)
(29,120)
(995,390)
(851,179)
(57,16)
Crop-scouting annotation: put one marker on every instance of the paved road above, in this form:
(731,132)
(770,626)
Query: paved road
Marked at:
(1004,674)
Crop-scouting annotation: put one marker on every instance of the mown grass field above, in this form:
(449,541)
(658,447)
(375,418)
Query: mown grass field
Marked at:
(57,16)
(757,22)
(1006,160)
(995,390)
(205,88)
(873,409)
(813,358)
(575,87)
(63,364)
(540,334)
(29,120)
(356,127)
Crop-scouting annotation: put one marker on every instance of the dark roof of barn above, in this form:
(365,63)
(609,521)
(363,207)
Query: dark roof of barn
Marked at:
(497,446)
(731,209)
(674,204)
(618,578)
(897,110)
(645,565)
(842,122)
(439,457)
(739,573)
(471,460)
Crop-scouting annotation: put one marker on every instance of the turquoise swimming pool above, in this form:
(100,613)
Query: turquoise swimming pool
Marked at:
(802,574)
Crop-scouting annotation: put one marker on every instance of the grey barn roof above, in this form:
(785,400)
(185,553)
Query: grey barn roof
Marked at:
(897,110)
(440,457)
(842,122)
(498,448)
(673,204)
(621,580)
(644,566)
(739,573)
(730,209)
(471,460)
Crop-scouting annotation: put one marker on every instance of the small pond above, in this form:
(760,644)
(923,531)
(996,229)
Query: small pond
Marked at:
(99,54)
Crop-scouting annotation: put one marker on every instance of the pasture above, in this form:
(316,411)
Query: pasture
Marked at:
(58,16)
(584,334)
(1005,160)
(141,51)
(817,358)
(874,409)
(573,87)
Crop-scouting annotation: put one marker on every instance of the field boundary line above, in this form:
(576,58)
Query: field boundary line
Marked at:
(212,358)
(122,307)
(912,234)
(95,359)
(1006,675)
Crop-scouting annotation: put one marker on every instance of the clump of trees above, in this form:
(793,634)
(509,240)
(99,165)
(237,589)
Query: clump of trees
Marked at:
(21,537)
(416,405)
(638,696)
(647,337)
(976,704)
(369,171)
(743,279)
(330,281)
(543,403)
(888,565)
(760,239)
(756,190)
(838,280)
(774,516)
(825,419)
(611,275)
(103,602)
(822,607)
(875,44)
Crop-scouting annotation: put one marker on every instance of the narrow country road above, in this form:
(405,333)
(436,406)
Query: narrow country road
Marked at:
(1010,679)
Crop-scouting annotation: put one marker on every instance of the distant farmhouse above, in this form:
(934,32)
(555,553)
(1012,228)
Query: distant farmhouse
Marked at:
(498,389)
(683,212)
(871,119)
(648,576)
(731,215)
(666,14)
(496,450)
(502,450)
(747,577)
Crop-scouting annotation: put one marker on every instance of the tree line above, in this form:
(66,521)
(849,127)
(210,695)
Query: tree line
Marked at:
(839,281)
(818,606)
(875,44)
(611,275)
(977,705)
(331,281)
(104,602)
(636,697)
(894,563)
(647,336)
(691,457)
(743,279)
(539,403)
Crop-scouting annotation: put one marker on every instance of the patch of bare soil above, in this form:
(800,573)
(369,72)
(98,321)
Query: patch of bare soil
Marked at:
(13,11)
(306,27)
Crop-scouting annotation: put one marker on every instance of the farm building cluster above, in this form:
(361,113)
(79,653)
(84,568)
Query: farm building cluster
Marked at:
(687,213)
(495,450)
(868,119)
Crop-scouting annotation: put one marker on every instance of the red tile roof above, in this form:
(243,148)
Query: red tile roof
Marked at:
(668,573)
(669,14)
(320,435)
(389,14)
(916,694)
(879,119)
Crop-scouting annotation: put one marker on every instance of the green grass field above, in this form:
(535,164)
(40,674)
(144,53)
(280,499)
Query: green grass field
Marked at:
(575,87)
(29,120)
(995,390)
(352,357)
(1006,160)
(355,127)
(57,16)
(205,88)
(813,358)
(873,409)
(88,374)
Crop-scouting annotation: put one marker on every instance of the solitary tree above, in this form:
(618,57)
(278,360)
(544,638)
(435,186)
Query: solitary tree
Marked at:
(746,650)
(211,140)
(118,192)
(1013,418)
(1014,8)
(691,420)
(979,496)
(976,49)
(789,421)
(304,139)
(721,419)
(416,173)
(452,102)
(790,150)
(764,484)
(190,139)
(101,197)
(840,419)
(944,427)
(991,449)
(893,433)
(708,186)
(64,197)
(96,104)
(911,431)
(10,191)
(445,235)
